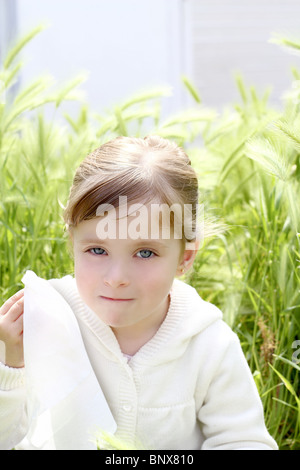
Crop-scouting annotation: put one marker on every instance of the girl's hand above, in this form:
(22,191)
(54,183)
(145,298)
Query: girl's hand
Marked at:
(11,329)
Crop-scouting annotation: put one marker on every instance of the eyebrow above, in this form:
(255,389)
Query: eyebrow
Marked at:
(138,242)
(150,241)
(90,241)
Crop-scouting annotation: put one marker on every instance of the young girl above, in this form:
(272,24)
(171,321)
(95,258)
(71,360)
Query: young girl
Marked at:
(172,372)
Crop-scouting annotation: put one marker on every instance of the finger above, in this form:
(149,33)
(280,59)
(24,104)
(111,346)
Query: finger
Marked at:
(14,334)
(15,311)
(15,329)
(18,325)
(10,302)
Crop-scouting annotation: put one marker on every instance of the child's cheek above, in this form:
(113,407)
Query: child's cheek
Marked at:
(82,274)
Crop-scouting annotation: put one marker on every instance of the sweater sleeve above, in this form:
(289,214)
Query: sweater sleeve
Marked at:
(13,415)
(231,415)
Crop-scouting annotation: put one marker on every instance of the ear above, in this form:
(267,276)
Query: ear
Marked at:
(188,257)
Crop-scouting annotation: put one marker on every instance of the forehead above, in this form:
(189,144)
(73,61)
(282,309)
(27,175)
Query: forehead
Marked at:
(135,221)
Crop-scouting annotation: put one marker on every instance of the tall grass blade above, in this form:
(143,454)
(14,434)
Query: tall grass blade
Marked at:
(263,152)
(191,88)
(14,52)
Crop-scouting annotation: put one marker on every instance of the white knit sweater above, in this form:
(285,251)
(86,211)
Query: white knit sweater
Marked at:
(188,388)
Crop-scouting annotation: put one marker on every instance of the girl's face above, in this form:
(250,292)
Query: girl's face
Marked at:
(126,281)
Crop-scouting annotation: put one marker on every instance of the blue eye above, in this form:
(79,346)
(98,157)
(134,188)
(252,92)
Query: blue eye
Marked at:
(145,254)
(97,251)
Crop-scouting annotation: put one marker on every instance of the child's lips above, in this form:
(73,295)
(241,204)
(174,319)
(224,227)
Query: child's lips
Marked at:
(111,299)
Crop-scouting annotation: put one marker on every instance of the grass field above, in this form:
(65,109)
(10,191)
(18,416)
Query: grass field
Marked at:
(248,161)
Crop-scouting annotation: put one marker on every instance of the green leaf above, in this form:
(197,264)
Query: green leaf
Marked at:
(121,123)
(241,87)
(147,95)
(189,116)
(287,384)
(286,42)
(191,88)
(266,155)
(293,206)
(287,361)
(65,92)
(29,93)
(21,44)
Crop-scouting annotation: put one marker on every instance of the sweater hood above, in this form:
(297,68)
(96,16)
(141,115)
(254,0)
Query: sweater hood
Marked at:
(196,313)
(188,316)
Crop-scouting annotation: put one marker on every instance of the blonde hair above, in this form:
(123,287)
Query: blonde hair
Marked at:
(143,170)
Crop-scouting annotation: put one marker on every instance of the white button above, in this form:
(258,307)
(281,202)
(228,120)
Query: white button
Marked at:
(127,408)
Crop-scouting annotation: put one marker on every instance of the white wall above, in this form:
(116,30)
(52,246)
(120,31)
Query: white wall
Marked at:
(126,45)
(129,45)
(8,26)
(228,36)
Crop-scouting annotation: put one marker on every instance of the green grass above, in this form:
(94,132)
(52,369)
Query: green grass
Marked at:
(248,161)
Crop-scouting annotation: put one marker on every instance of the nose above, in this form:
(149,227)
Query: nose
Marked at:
(116,276)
